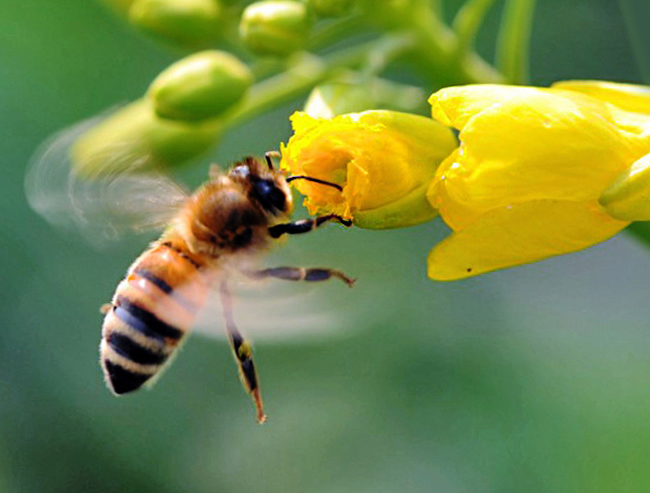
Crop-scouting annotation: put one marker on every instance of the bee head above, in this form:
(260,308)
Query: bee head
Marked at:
(266,186)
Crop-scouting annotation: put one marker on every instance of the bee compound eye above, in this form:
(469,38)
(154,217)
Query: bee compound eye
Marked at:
(270,196)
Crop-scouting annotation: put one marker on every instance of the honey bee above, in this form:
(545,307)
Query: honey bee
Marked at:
(213,232)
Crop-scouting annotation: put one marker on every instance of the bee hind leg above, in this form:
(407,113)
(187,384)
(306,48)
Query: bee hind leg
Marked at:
(301,274)
(243,352)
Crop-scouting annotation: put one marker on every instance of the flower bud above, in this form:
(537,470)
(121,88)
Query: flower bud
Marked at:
(135,138)
(190,22)
(382,160)
(331,8)
(337,98)
(628,197)
(200,86)
(275,27)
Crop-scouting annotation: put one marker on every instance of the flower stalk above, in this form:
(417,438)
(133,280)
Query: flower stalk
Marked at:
(513,44)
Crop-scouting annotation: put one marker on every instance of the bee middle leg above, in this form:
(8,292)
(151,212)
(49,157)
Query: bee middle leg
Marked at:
(300,274)
(305,225)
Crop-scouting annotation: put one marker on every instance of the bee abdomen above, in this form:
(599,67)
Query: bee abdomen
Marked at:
(143,321)
(135,346)
(122,380)
(151,312)
(125,346)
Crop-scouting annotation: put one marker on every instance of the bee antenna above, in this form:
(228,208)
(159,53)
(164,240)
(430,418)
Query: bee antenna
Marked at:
(315,180)
(269,158)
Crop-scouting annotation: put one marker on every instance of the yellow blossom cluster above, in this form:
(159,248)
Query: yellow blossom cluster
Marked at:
(535,172)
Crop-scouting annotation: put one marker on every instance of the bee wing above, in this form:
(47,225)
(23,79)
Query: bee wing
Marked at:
(273,310)
(104,208)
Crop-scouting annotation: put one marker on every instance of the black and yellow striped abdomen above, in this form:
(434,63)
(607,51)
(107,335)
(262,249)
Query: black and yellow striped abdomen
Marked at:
(151,312)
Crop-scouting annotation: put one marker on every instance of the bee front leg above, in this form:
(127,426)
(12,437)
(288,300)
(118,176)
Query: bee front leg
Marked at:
(300,274)
(305,225)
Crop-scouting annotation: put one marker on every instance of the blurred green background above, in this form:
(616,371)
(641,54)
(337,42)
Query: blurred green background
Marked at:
(528,380)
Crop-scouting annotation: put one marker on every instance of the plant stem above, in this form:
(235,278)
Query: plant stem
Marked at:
(334,31)
(425,37)
(299,78)
(513,45)
(467,23)
(437,52)
(386,50)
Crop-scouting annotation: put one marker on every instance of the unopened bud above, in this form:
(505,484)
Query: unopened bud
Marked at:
(628,197)
(200,86)
(135,138)
(275,27)
(190,22)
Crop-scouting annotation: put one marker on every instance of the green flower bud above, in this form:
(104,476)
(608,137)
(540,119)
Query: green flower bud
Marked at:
(191,22)
(275,27)
(200,86)
(331,8)
(628,197)
(337,98)
(135,137)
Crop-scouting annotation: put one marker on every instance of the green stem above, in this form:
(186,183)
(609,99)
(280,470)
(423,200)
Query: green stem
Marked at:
(427,38)
(467,23)
(299,78)
(386,50)
(513,45)
(437,48)
(334,32)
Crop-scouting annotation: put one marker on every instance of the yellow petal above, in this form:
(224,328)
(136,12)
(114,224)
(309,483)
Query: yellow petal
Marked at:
(629,97)
(454,106)
(520,234)
(537,145)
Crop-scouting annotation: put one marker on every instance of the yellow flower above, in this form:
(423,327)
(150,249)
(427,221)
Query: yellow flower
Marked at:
(383,160)
(527,180)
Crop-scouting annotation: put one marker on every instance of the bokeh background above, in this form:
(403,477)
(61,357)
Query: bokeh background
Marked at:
(528,380)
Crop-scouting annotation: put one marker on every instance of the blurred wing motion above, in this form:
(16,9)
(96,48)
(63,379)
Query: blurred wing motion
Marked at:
(105,207)
(277,311)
